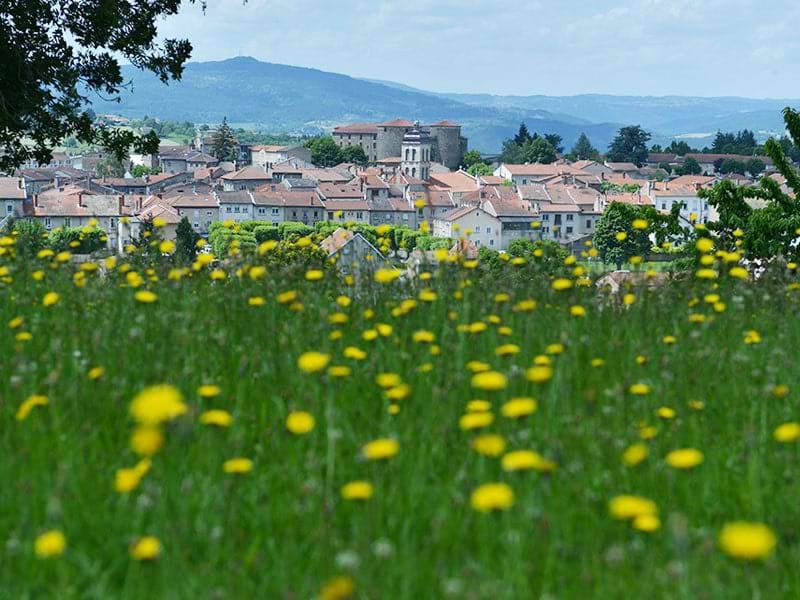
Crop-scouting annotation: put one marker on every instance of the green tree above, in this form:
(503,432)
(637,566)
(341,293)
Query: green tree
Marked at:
(186,239)
(480,169)
(523,135)
(471,157)
(629,145)
(324,151)
(665,166)
(680,148)
(731,165)
(766,232)
(618,218)
(555,141)
(583,149)
(755,166)
(111,166)
(224,143)
(56,54)
(690,166)
(142,170)
(30,236)
(352,154)
(539,151)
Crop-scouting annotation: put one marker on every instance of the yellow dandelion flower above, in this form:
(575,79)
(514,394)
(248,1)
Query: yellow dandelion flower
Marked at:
(217,417)
(387,275)
(146,441)
(747,541)
(598,362)
(628,507)
(489,380)
(338,588)
(238,466)
(577,311)
(314,275)
(685,458)
(561,284)
(157,404)
(424,337)
(50,299)
(665,412)
(539,373)
(507,350)
(788,432)
(354,353)
(145,296)
(519,407)
(524,460)
(475,420)
(639,389)
(646,523)
(704,245)
(491,497)
(640,224)
(380,449)
(489,444)
(313,362)
(300,422)
(634,455)
(621,236)
(478,406)
(146,548)
(50,543)
(96,373)
(339,371)
(357,490)
(29,404)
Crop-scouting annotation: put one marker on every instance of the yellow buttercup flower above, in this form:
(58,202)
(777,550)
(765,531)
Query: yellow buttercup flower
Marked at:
(788,432)
(475,420)
(639,389)
(387,275)
(561,284)
(539,374)
(146,441)
(338,588)
(522,460)
(145,296)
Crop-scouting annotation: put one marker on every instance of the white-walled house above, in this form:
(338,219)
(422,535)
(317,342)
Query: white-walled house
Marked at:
(471,222)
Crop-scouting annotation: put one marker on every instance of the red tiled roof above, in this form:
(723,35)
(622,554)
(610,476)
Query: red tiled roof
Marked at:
(12,187)
(358,128)
(397,123)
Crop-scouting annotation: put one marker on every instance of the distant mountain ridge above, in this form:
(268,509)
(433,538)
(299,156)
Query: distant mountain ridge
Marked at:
(280,98)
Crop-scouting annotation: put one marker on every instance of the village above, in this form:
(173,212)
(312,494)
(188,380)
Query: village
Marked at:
(413,177)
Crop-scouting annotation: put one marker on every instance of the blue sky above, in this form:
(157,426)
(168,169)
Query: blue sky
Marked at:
(637,47)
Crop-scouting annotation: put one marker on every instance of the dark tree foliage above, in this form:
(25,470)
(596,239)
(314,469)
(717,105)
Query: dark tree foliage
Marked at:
(57,54)
(583,149)
(224,143)
(690,166)
(772,230)
(186,239)
(630,145)
(523,135)
(743,142)
(556,141)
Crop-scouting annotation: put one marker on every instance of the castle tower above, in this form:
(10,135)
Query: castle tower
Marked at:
(416,154)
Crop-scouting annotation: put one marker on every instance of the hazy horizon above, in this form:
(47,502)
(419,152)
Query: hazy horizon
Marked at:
(715,48)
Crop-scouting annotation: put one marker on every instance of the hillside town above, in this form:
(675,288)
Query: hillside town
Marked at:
(413,176)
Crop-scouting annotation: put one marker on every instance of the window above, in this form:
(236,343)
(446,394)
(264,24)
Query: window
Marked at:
(9,209)
(491,242)
(274,223)
(569,230)
(197,225)
(569,217)
(545,217)
(262,211)
(488,230)
(588,223)
(663,206)
(67,222)
(294,213)
(236,209)
(274,211)
(47,222)
(229,209)
(524,182)
(315,214)
(112,222)
(358,215)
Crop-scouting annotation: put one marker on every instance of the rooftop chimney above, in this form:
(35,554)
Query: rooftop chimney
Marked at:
(36,200)
(80,199)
